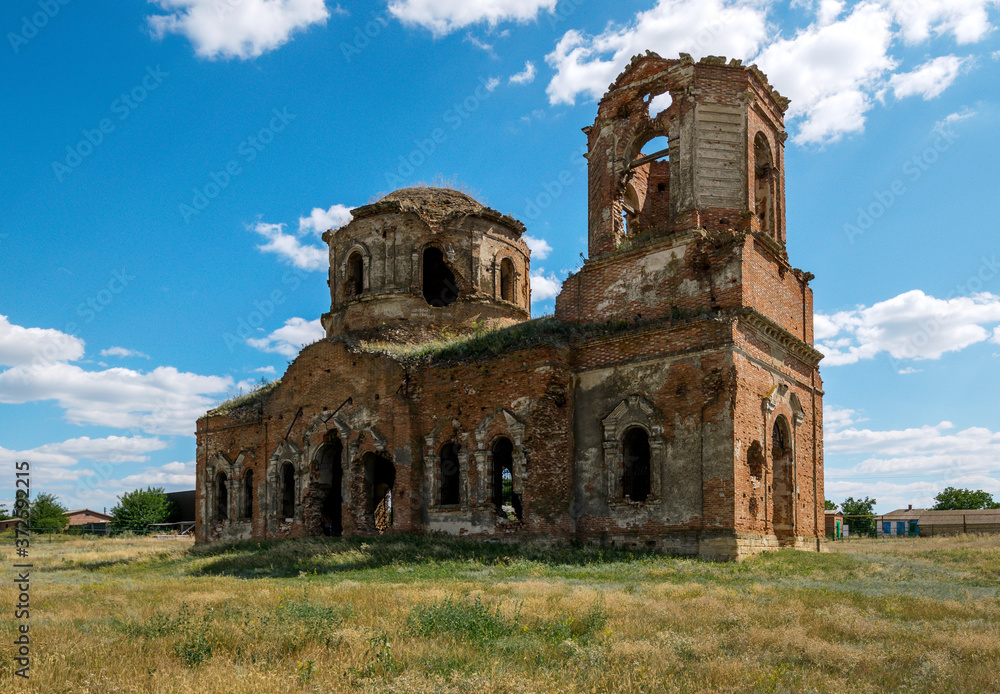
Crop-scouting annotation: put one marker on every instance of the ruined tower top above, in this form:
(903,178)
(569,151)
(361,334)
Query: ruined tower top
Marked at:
(422,261)
(679,145)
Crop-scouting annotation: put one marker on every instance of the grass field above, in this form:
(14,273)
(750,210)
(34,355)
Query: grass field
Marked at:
(429,614)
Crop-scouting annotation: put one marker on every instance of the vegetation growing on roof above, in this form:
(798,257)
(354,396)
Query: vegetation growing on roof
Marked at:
(247,403)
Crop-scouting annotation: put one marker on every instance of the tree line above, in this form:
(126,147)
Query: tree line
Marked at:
(134,512)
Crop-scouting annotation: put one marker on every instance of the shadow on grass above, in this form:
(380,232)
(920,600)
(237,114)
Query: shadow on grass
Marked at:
(408,553)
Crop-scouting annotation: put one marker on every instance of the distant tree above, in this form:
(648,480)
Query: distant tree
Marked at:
(952,499)
(138,509)
(3,512)
(829,505)
(46,513)
(859,507)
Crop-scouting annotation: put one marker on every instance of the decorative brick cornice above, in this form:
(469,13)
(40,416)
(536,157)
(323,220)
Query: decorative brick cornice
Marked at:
(774,332)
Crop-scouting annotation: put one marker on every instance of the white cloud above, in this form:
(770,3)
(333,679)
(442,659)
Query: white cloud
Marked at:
(928,80)
(122,352)
(320,220)
(163,400)
(492,83)
(170,475)
(290,338)
(21,346)
(539,247)
(966,20)
(829,10)
(526,76)
(442,17)
(930,450)
(236,28)
(996,55)
(112,449)
(544,286)
(588,64)
(828,71)
(289,247)
(265,370)
(944,125)
(480,44)
(912,325)
(839,417)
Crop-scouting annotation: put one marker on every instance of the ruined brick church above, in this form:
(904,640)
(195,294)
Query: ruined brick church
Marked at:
(673,401)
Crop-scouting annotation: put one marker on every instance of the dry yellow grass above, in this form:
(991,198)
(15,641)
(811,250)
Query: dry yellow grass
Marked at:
(441,615)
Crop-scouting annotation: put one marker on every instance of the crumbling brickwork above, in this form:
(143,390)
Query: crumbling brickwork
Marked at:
(674,400)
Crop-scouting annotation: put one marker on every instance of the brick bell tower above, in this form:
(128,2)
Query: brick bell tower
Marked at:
(687,240)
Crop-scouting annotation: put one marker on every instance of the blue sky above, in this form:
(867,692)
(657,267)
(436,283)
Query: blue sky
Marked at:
(168,167)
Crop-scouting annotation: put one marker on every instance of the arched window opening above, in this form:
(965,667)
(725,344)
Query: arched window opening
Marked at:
(635,469)
(645,203)
(329,481)
(450,478)
(440,287)
(764,185)
(380,476)
(506,280)
(222,496)
(505,501)
(783,487)
(248,494)
(355,275)
(288,492)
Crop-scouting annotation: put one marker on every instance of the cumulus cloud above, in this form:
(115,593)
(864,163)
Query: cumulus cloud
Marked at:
(320,220)
(539,247)
(526,76)
(290,338)
(163,400)
(236,28)
(928,80)
(945,124)
(828,71)
(912,325)
(21,346)
(291,248)
(170,475)
(122,352)
(966,20)
(111,449)
(442,17)
(544,286)
(265,370)
(586,65)
(839,417)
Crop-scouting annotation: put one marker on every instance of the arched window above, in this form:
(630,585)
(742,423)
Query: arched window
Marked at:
(506,280)
(635,468)
(440,287)
(328,483)
(222,496)
(450,478)
(248,494)
(355,275)
(288,492)
(783,486)
(505,501)
(764,185)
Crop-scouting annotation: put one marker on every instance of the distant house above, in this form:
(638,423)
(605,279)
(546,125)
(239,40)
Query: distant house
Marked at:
(834,525)
(927,523)
(8,524)
(90,521)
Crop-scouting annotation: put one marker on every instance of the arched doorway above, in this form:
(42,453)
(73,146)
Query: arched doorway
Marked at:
(329,479)
(380,476)
(505,501)
(782,484)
